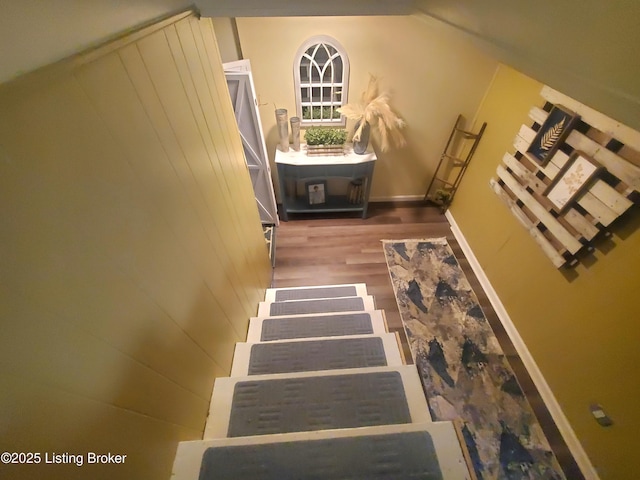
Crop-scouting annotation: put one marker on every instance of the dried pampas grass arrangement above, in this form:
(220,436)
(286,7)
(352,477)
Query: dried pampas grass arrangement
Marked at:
(375,111)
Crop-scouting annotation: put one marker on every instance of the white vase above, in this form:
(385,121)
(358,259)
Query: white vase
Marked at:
(295,133)
(283,129)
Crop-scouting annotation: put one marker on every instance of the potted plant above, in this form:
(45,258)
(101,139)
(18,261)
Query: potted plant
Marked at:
(325,141)
(374,112)
(442,197)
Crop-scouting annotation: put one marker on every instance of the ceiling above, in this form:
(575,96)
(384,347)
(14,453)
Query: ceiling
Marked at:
(587,49)
(308,8)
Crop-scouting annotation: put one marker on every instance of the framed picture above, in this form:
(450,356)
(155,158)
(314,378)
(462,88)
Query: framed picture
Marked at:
(574,177)
(552,133)
(316,192)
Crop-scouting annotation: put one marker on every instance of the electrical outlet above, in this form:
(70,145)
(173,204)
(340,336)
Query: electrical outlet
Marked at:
(601,417)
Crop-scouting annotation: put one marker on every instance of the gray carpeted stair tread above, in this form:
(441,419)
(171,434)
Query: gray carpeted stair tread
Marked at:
(291,327)
(294,394)
(316,326)
(389,457)
(326,305)
(283,357)
(316,403)
(286,294)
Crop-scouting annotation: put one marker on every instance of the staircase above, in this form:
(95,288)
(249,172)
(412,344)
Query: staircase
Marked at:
(320,391)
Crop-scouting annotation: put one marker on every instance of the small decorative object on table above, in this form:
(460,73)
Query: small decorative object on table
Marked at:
(283,129)
(374,112)
(325,141)
(356,191)
(361,142)
(316,192)
(295,133)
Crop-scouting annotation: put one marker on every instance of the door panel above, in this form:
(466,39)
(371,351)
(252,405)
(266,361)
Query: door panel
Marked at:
(248,118)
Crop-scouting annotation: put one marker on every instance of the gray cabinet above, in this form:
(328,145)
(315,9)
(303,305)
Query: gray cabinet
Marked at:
(324,184)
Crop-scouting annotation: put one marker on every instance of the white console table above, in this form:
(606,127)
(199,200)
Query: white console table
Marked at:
(335,177)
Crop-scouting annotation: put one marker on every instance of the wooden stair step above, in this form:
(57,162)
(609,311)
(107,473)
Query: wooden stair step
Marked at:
(266,329)
(315,292)
(265,404)
(421,451)
(316,354)
(323,305)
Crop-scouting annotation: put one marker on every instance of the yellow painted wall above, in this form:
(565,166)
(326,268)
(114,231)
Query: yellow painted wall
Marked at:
(131,252)
(226,38)
(581,327)
(432,73)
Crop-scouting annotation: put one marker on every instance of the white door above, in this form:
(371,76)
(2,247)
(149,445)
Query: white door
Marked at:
(245,106)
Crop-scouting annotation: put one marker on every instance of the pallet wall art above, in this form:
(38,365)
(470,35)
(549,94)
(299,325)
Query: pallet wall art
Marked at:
(573,173)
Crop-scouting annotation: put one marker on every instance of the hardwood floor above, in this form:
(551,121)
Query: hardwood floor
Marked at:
(324,250)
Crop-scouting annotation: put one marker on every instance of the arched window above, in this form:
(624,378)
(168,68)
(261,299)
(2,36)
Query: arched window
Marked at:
(321,72)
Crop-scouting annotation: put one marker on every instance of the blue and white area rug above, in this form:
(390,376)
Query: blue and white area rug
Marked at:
(464,371)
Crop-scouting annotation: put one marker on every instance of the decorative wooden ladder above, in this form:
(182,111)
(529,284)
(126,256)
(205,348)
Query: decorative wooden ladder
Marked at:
(451,168)
(320,390)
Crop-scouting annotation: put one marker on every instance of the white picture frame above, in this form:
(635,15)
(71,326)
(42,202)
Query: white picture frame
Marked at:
(571,180)
(316,192)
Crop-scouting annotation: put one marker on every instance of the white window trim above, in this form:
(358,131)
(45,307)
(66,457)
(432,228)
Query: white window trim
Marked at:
(344,85)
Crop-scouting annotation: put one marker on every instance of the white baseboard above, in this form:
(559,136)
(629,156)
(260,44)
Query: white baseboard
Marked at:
(397,198)
(549,399)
